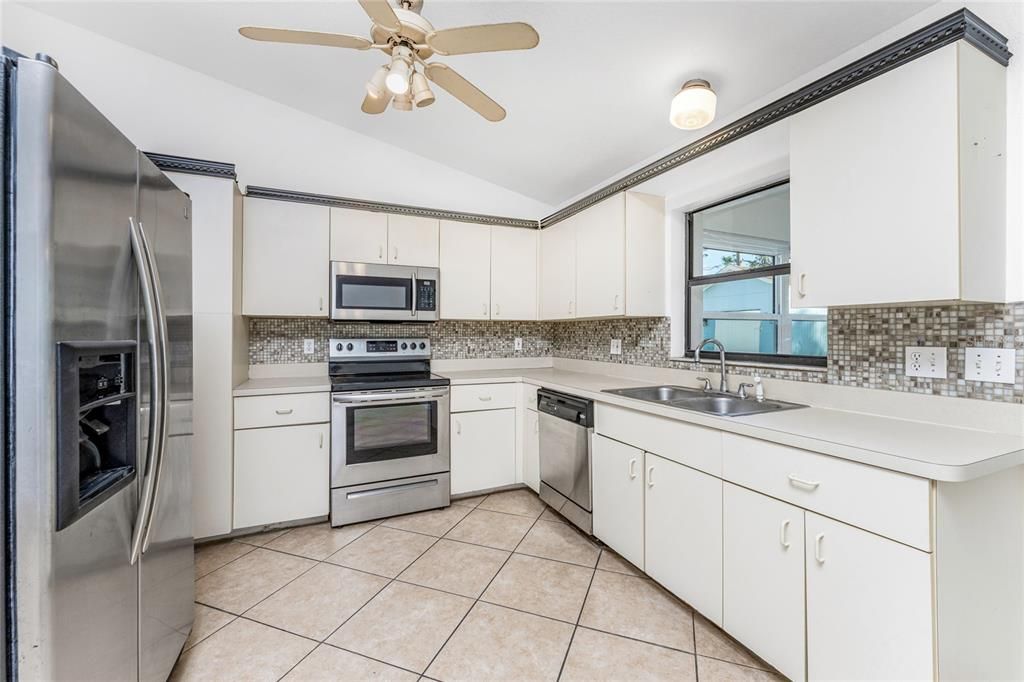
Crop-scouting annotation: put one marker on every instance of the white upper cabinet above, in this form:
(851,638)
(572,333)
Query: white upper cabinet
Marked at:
(898,186)
(359,236)
(285,268)
(600,259)
(558,270)
(412,240)
(645,255)
(513,273)
(465,271)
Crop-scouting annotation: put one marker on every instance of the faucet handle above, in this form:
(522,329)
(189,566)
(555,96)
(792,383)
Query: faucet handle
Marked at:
(743,390)
(707,383)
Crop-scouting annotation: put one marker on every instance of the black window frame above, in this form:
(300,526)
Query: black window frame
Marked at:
(700,280)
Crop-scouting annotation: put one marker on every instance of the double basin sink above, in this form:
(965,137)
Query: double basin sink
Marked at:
(708,402)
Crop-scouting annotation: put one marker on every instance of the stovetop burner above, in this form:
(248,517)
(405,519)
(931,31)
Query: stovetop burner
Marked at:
(381,364)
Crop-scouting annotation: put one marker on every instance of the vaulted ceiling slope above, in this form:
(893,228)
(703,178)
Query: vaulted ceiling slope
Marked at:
(589,102)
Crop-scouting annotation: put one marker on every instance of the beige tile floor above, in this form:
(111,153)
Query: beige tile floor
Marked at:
(494,587)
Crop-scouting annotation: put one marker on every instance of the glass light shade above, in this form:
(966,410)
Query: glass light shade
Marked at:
(421,93)
(693,106)
(375,86)
(397,80)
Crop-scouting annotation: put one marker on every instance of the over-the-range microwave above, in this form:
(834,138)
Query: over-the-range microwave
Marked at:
(370,292)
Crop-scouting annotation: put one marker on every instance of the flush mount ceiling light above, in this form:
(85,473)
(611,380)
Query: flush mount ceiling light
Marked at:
(693,106)
(398,30)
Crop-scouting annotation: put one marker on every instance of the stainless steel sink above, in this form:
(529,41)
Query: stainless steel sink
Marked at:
(708,402)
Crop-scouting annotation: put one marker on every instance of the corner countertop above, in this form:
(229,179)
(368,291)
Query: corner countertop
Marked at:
(280,385)
(928,450)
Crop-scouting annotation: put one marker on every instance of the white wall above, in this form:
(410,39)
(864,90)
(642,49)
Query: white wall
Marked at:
(166,108)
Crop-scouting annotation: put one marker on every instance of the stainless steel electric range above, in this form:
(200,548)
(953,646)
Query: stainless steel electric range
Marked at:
(389,430)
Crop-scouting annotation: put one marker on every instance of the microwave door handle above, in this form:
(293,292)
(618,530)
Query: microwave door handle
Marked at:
(413,311)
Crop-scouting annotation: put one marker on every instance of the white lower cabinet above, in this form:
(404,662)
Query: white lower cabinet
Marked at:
(282,474)
(618,497)
(531,449)
(763,585)
(683,533)
(483,450)
(869,605)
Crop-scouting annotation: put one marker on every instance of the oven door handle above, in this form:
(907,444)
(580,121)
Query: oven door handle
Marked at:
(380,398)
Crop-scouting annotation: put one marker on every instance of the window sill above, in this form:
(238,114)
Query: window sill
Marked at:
(753,363)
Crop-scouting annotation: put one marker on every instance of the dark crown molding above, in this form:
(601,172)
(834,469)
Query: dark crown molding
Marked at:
(382,207)
(183,164)
(960,25)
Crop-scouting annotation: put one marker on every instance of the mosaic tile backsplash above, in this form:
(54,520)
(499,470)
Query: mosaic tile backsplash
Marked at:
(865,344)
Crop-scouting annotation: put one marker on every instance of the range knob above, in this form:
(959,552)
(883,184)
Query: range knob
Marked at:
(404,345)
(338,346)
(423,345)
(349,346)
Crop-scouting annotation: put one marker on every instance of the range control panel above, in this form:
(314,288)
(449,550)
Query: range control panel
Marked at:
(376,348)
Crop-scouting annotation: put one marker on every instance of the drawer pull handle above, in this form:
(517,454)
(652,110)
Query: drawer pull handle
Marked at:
(650,477)
(818,556)
(632,468)
(287,411)
(484,398)
(803,482)
(783,533)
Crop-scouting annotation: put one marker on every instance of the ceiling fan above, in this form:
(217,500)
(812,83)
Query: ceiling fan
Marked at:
(410,40)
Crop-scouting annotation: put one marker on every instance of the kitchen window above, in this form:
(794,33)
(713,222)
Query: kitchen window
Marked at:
(737,287)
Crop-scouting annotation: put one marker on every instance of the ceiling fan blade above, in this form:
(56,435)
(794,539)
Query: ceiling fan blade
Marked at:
(465,92)
(376,105)
(486,38)
(382,14)
(284,35)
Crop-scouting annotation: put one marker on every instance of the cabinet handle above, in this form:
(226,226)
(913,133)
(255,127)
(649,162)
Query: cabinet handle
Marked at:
(783,532)
(458,428)
(632,468)
(287,411)
(321,304)
(818,556)
(380,252)
(615,305)
(536,426)
(497,309)
(484,398)
(650,477)
(801,287)
(396,253)
(803,483)
(321,440)
(485,310)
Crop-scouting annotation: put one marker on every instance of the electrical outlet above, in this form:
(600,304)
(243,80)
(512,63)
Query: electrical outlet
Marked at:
(924,361)
(518,343)
(308,346)
(990,364)
(616,347)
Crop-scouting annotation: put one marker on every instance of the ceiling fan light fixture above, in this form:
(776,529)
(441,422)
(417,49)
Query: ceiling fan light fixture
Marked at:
(375,86)
(397,80)
(422,95)
(693,106)
(402,102)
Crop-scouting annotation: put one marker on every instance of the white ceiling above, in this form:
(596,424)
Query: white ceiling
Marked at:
(590,101)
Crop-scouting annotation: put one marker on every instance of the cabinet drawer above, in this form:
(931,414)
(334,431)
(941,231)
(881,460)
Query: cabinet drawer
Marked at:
(889,503)
(530,396)
(694,446)
(472,397)
(258,411)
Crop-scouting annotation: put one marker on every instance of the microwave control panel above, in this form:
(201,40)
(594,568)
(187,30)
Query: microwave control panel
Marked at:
(426,295)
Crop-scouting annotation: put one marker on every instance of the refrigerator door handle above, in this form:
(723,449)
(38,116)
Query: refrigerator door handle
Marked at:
(163,368)
(156,391)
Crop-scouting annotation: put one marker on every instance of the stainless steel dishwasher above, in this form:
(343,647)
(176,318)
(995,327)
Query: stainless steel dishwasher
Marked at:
(566,428)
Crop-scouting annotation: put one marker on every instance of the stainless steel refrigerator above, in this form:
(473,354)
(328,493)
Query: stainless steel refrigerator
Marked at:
(97,392)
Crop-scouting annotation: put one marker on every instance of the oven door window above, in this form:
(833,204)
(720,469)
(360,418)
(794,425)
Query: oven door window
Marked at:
(361,292)
(383,432)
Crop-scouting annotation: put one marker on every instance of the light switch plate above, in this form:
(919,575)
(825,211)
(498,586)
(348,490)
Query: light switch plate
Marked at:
(925,361)
(616,347)
(308,346)
(990,364)
(518,343)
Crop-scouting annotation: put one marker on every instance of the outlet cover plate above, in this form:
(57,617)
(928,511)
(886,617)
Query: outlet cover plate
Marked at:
(517,343)
(616,347)
(308,346)
(990,364)
(925,361)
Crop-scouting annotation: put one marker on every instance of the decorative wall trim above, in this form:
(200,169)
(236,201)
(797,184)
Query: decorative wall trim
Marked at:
(382,207)
(184,164)
(962,24)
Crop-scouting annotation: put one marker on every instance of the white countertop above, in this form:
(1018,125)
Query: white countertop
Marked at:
(934,451)
(284,384)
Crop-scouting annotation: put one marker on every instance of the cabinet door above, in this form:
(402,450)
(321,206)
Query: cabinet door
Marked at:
(285,264)
(483,450)
(763,586)
(465,271)
(359,236)
(617,474)
(558,271)
(873,199)
(683,533)
(531,449)
(413,240)
(513,273)
(645,255)
(868,605)
(281,474)
(601,259)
